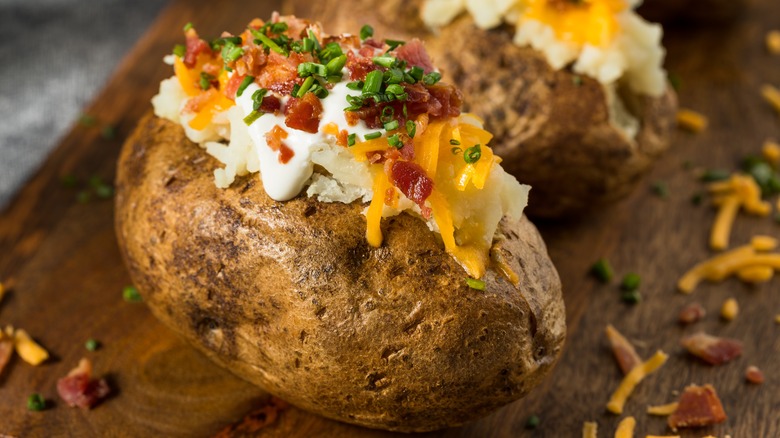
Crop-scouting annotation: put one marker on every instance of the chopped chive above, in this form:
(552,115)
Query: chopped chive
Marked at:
(532,422)
(373,135)
(231,52)
(431,78)
(384,60)
(36,402)
(394,43)
(391,125)
(393,76)
(366,32)
(631,297)
(268,42)
(475,283)
(351,138)
(395,141)
(697,198)
(336,64)
(454,142)
(92,344)
(104,191)
(257,98)
(69,181)
(355,85)
(395,89)
(131,295)
(473,154)
(675,81)
(712,175)
(305,86)
(187,27)
(87,120)
(456,150)
(108,132)
(179,50)
(205,80)
(417,73)
(279,27)
(602,270)
(411,128)
(387,114)
(630,282)
(251,117)
(245,83)
(660,189)
(373,82)
(83,196)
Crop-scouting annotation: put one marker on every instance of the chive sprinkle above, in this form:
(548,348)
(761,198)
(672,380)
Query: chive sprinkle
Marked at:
(351,139)
(532,422)
(660,189)
(473,154)
(92,344)
(179,50)
(602,270)
(391,125)
(456,150)
(366,32)
(454,142)
(630,282)
(251,117)
(36,402)
(632,297)
(373,135)
(187,27)
(475,283)
(268,42)
(431,78)
(131,295)
(245,83)
(395,141)
(712,175)
(411,128)
(108,132)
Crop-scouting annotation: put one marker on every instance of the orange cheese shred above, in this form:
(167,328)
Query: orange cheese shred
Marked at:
(188,84)
(618,399)
(662,410)
(590,429)
(625,428)
(374,213)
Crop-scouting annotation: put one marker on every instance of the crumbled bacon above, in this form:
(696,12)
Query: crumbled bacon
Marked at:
(79,389)
(232,85)
(279,69)
(625,354)
(6,350)
(414,53)
(359,66)
(691,313)
(411,180)
(712,349)
(754,375)
(251,62)
(195,104)
(303,113)
(698,406)
(195,46)
(274,140)
(271,104)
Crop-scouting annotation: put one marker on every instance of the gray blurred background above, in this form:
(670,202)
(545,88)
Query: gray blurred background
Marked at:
(55,56)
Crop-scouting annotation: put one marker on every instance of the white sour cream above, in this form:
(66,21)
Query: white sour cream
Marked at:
(283,181)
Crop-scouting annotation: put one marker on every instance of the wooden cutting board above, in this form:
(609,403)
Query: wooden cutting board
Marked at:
(61,260)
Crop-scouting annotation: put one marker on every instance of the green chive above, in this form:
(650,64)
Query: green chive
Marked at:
(92,344)
(389,126)
(245,83)
(351,138)
(231,52)
(366,32)
(473,154)
(131,295)
(104,191)
(257,98)
(36,402)
(179,50)
(384,60)
(87,120)
(251,117)
(205,80)
(187,27)
(697,198)
(532,422)
(675,81)
(387,114)
(69,181)
(411,128)
(454,142)
(108,132)
(394,43)
(279,27)
(268,42)
(395,89)
(305,87)
(308,45)
(356,85)
(602,270)
(83,197)
(431,78)
(373,135)
(417,73)
(373,82)
(336,64)
(395,141)
(456,150)
(393,76)
(630,282)
(475,283)
(632,297)
(712,175)
(660,189)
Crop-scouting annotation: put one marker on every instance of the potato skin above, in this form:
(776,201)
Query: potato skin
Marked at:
(289,295)
(551,127)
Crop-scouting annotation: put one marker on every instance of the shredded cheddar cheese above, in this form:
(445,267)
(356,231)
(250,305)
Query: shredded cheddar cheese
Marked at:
(28,349)
(729,310)
(591,22)
(663,410)
(590,429)
(625,428)
(771,95)
(374,214)
(773,42)
(740,191)
(691,120)
(618,399)
(771,152)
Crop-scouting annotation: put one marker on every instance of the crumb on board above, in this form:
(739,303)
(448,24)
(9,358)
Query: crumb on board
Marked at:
(691,313)
(691,120)
(754,375)
(698,406)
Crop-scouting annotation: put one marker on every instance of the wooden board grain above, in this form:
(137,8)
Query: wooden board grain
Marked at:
(61,259)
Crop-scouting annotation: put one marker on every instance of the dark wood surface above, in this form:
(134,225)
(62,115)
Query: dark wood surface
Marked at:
(61,260)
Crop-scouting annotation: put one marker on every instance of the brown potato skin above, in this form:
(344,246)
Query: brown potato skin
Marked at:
(551,127)
(290,296)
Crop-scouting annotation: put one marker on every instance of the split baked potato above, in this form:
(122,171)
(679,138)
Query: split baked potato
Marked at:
(560,132)
(290,296)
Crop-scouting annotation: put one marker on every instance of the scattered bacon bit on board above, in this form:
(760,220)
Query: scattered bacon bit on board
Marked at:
(256,420)
(699,406)
(625,354)
(754,375)
(78,388)
(691,313)
(712,349)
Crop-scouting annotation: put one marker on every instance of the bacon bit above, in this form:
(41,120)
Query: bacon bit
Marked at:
(729,310)
(391,197)
(754,375)
(251,62)
(279,72)
(304,113)
(699,406)
(414,53)
(232,86)
(360,66)
(625,354)
(197,103)
(691,313)
(195,46)
(79,389)
(274,140)
(663,410)
(412,181)
(712,349)
(256,420)
(271,104)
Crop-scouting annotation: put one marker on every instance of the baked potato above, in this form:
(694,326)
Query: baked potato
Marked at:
(297,296)
(562,133)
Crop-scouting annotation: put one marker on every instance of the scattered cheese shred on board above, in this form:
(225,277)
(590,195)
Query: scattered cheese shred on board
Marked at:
(2,291)
(771,152)
(729,310)
(28,349)
(590,429)
(632,379)
(625,428)
(771,95)
(738,192)
(691,120)
(773,42)
(625,354)
(662,410)
(6,350)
